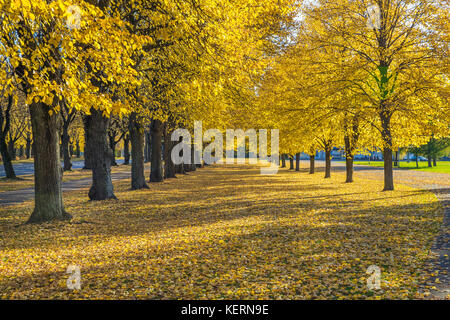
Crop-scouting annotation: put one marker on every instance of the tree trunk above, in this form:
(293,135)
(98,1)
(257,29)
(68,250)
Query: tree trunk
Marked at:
(348,159)
(179,168)
(312,164)
(396,159)
(349,169)
(434,161)
(283,161)
(430,159)
(193,166)
(28,148)
(327,163)
(112,146)
(7,163)
(48,203)
(169,166)
(5,125)
(65,140)
(291,163)
(12,150)
(137,154)
(77,149)
(387,151)
(87,144)
(156,174)
(297,162)
(102,187)
(126,149)
(148,146)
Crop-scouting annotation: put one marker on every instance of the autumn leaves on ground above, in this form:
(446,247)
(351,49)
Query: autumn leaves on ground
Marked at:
(226,232)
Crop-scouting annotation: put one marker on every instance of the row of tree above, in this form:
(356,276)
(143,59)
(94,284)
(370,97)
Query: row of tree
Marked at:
(157,64)
(360,76)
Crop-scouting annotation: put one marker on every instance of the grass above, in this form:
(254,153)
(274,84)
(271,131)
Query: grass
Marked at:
(226,232)
(442,166)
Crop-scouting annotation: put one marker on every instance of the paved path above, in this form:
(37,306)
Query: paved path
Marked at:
(19,196)
(27,168)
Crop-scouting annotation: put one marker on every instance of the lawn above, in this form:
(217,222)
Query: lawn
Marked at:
(442,166)
(225,232)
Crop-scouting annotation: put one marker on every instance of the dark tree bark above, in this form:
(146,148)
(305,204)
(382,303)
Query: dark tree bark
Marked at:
(193,166)
(291,163)
(349,148)
(77,149)
(5,124)
(112,146)
(297,162)
(434,161)
(65,140)
(387,151)
(156,174)
(137,153)
(396,158)
(179,168)
(67,117)
(312,164)
(47,167)
(102,187)
(126,149)
(12,149)
(328,163)
(187,167)
(28,147)
(87,144)
(169,166)
(148,146)
(283,161)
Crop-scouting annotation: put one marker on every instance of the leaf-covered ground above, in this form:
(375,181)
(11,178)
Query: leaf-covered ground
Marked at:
(226,232)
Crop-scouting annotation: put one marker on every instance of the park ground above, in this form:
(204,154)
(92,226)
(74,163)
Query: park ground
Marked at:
(226,232)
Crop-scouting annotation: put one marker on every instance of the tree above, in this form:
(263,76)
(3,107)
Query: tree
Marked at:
(68,116)
(5,123)
(136,129)
(397,62)
(56,58)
